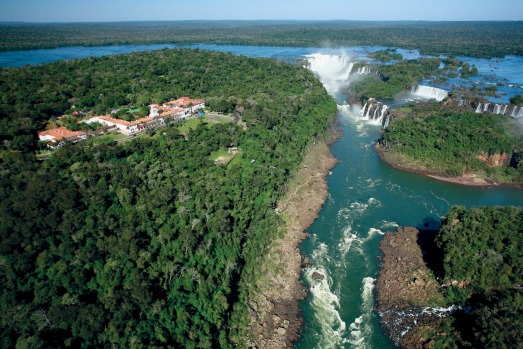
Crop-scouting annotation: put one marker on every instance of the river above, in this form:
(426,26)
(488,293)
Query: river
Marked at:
(367,197)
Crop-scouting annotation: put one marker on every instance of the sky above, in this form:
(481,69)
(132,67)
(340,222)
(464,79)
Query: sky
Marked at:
(149,10)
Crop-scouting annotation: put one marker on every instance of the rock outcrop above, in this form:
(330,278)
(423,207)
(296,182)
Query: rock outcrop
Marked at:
(275,314)
(405,289)
(495,160)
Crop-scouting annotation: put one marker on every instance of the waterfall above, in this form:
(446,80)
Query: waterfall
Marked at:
(362,111)
(501,109)
(333,70)
(517,112)
(386,122)
(364,70)
(376,112)
(429,92)
(479,108)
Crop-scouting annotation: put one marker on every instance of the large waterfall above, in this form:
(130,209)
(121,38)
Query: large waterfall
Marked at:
(376,112)
(429,92)
(333,70)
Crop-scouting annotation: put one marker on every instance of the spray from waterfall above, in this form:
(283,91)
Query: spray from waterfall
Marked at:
(333,70)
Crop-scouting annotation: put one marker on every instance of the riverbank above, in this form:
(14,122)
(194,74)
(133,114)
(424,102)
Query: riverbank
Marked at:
(469,179)
(406,289)
(275,315)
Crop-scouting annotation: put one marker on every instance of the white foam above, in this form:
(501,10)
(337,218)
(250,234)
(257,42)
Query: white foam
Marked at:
(326,304)
(346,242)
(387,224)
(361,328)
(321,254)
(359,206)
(371,183)
(374,202)
(374,232)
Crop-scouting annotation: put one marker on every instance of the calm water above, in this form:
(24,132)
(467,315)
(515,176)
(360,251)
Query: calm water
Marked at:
(367,198)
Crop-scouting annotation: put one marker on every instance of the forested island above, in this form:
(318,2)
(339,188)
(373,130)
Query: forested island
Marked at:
(456,288)
(147,243)
(454,145)
(477,39)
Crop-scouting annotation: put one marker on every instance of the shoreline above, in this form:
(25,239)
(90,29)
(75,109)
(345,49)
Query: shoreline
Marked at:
(470,179)
(275,314)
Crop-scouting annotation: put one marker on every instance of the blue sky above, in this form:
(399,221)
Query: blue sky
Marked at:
(145,10)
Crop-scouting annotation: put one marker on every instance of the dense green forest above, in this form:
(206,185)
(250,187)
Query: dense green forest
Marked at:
(434,138)
(482,268)
(147,243)
(477,39)
(29,97)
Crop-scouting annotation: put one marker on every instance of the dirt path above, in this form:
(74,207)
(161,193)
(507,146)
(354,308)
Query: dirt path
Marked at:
(275,316)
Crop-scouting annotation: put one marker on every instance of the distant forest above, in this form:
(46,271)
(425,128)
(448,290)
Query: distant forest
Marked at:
(477,39)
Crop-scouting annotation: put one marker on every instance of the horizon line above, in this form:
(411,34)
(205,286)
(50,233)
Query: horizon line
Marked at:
(259,20)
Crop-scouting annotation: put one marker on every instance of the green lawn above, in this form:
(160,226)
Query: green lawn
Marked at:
(116,135)
(237,159)
(221,152)
(226,160)
(189,124)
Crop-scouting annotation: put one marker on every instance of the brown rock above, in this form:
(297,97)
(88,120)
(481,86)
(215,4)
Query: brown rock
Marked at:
(317,276)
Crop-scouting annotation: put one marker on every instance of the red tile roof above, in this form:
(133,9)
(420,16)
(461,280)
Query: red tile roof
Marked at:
(60,133)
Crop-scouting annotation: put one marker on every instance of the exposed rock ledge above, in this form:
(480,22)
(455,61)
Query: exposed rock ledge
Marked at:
(275,315)
(405,288)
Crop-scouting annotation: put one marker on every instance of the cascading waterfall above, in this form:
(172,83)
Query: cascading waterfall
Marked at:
(364,70)
(333,70)
(379,111)
(501,109)
(429,92)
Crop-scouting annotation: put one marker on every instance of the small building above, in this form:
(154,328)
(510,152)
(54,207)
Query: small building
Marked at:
(188,105)
(58,135)
(129,127)
(232,150)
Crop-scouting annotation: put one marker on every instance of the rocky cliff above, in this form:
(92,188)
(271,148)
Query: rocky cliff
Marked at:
(405,289)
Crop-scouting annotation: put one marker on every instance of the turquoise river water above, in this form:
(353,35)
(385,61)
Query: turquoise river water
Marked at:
(366,197)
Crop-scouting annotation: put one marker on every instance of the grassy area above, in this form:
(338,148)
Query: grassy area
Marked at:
(190,124)
(236,159)
(223,157)
(116,136)
(221,120)
(221,152)
(105,138)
